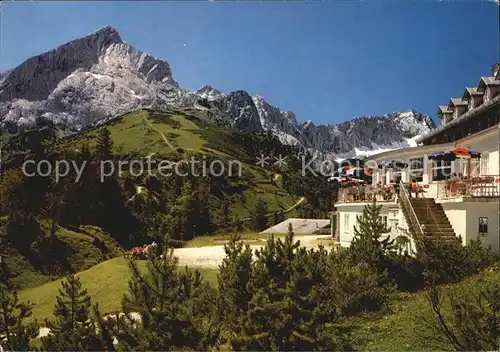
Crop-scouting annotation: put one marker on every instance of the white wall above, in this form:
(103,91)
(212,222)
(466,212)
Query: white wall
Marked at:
(464,218)
(494,163)
(346,230)
(456,214)
(488,145)
(491,211)
(346,233)
(463,215)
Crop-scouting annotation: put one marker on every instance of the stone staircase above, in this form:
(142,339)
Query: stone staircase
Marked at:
(433,218)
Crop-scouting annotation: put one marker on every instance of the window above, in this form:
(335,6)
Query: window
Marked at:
(394,225)
(487,95)
(441,170)
(483,225)
(416,169)
(393,213)
(484,163)
(473,166)
(383,219)
(346,223)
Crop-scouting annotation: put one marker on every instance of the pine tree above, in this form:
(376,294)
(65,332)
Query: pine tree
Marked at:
(224,216)
(104,148)
(285,310)
(368,245)
(85,153)
(15,334)
(104,332)
(183,214)
(176,309)
(73,328)
(258,216)
(203,220)
(11,191)
(234,281)
(54,209)
(278,217)
(5,273)
(473,323)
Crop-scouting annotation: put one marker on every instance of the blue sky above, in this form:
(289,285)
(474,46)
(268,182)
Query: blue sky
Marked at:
(325,61)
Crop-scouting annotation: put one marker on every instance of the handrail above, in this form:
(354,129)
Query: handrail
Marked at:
(433,216)
(404,196)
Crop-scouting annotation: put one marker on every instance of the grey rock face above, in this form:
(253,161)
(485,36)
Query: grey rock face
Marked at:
(99,76)
(85,80)
(209,93)
(240,108)
(39,75)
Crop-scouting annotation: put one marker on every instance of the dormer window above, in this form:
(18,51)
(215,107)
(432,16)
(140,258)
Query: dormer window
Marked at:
(472,97)
(490,87)
(444,114)
(458,106)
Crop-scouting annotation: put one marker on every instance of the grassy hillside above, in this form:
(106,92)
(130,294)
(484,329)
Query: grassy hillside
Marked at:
(401,327)
(73,250)
(106,283)
(158,135)
(124,207)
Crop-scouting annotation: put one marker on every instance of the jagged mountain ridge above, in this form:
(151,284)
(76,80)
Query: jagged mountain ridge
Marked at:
(100,76)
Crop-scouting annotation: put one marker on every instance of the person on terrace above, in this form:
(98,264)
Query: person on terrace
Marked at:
(414,188)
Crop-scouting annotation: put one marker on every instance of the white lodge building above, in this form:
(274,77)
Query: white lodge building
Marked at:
(460,197)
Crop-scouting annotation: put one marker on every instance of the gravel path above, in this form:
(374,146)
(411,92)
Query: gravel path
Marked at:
(211,257)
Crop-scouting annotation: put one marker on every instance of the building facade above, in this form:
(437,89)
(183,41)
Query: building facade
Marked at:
(457,198)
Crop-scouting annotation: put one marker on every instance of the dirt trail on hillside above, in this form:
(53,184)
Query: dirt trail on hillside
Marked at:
(211,257)
(158,131)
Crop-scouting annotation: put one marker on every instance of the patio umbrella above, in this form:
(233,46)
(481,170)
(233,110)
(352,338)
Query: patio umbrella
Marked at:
(360,173)
(337,178)
(352,181)
(456,153)
(462,152)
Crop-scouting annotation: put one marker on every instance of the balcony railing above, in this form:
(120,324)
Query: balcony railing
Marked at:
(366,193)
(475,186)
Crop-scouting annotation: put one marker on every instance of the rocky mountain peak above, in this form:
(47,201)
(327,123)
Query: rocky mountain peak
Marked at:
(107,33)
(209,93)
(38,76)
(99,76)
(241,108)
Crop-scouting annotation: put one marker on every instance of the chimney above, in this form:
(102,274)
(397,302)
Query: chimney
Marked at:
(496,70)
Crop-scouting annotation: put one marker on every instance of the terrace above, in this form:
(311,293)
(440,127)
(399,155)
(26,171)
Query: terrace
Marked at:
(474,186)
(356,192)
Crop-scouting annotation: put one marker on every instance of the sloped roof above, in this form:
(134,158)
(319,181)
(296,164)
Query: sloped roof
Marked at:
(443,109)
(299,226)
(456,102)
(487,81)
(469,91)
